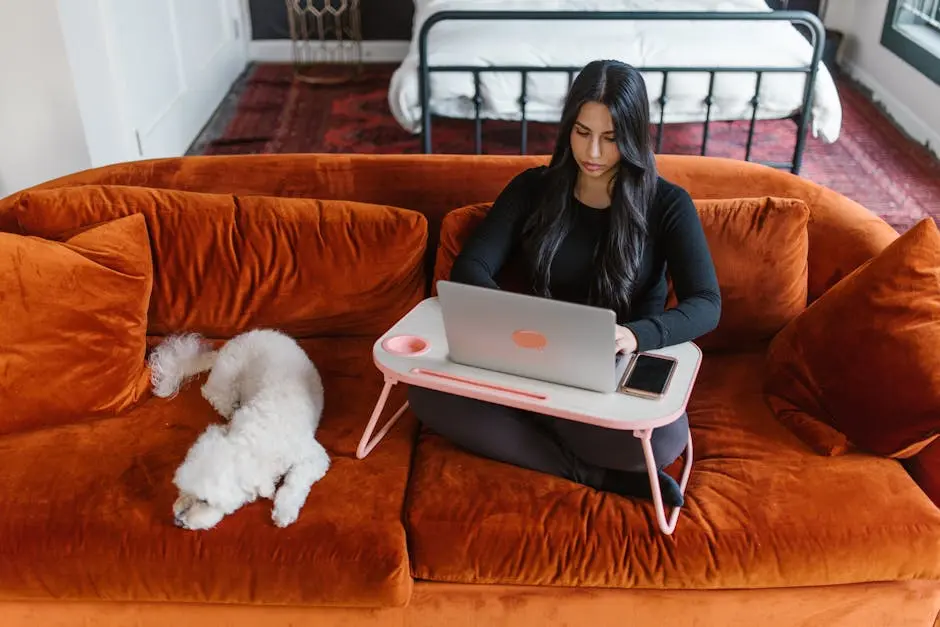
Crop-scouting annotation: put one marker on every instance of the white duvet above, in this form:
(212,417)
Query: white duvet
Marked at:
(640,43)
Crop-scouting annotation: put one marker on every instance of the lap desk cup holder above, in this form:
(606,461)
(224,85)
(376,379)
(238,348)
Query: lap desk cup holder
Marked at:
(405,345)
(414,351)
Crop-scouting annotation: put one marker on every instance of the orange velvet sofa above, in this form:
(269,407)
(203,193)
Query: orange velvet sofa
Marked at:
(333,249)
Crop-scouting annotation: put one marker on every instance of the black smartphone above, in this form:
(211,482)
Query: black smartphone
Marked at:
(648,375)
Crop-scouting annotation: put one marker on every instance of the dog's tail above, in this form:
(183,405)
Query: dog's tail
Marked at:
(177,359)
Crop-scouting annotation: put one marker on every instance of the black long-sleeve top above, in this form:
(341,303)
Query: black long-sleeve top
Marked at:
(676,240)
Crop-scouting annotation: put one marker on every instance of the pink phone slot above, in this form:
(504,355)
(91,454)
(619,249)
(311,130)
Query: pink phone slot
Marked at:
(477,383)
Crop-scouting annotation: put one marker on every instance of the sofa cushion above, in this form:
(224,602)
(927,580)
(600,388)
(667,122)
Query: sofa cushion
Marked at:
(861,367)
(925,468)
(227,263)
(761,511)
(87,509)
(74,331)
(759,247)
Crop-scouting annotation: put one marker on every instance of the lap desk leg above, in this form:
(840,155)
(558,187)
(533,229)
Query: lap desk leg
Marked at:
(367,443)
(414,351)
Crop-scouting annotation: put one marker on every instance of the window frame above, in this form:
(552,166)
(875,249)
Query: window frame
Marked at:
(912,52)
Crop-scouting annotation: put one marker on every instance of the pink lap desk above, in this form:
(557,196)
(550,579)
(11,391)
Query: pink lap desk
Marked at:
(414,351)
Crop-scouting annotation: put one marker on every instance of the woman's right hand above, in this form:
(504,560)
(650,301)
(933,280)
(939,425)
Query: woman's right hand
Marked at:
(626,341)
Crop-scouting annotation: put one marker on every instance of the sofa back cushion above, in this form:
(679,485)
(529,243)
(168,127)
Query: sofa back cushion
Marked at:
(74,332)
(225,263)
(842,233)
(759,247)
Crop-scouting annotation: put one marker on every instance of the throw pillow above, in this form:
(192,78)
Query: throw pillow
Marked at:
(859,368)
(73,341)
(759,247)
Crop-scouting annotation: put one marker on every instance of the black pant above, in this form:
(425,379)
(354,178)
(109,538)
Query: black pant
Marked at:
(574,450)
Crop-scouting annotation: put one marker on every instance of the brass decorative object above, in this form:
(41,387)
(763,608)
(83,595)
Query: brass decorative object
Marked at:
(326,40)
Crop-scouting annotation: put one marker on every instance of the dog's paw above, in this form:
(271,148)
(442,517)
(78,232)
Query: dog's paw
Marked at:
(285,516)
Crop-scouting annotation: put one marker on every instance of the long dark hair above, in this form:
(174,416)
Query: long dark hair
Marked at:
(622,90)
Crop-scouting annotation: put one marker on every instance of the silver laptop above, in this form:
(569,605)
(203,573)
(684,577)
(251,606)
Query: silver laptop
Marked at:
(533,337)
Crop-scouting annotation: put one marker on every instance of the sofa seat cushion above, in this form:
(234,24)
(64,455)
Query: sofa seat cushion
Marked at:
(762,510)
(87,508)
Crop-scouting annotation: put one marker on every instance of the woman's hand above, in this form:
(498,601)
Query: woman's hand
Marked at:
(626,341)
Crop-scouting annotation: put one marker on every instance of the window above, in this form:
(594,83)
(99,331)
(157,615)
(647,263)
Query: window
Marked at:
(912,31)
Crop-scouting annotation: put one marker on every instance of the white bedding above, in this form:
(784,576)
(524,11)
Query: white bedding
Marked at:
(640,43)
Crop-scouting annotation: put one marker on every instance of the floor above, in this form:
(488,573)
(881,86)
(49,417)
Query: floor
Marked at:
(267,110)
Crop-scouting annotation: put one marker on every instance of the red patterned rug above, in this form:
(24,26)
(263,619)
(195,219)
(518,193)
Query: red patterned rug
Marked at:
(872,162)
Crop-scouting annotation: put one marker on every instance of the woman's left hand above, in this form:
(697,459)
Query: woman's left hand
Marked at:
(626,341)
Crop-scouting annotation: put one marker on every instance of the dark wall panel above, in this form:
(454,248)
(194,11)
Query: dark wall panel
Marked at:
(381,19)
(796,5)
(391,19)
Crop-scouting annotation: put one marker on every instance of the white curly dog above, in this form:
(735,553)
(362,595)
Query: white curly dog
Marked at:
(270,392)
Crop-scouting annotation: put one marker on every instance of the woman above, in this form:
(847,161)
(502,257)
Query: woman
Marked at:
(597,226)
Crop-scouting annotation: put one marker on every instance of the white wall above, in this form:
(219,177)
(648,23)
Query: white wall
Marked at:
(911,98)
(109,135)
(150,73)
(85,83)
(41,134)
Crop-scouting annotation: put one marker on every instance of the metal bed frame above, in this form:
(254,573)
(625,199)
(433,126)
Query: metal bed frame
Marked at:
(815,32)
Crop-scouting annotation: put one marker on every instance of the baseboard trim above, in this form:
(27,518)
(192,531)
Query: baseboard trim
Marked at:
(902,115)
(279,51)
